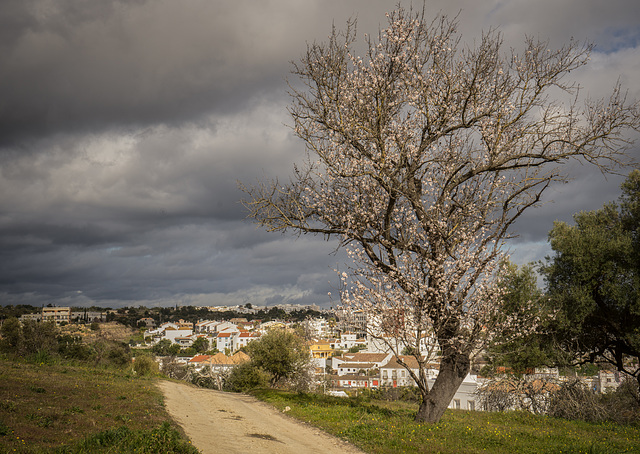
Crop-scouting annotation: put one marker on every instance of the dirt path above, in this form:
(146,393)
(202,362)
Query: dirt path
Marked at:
(219,422)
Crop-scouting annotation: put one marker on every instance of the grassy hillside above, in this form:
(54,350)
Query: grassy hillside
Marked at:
(79,409)
(384,427)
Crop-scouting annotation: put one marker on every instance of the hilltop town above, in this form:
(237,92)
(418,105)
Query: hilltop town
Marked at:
(343,357)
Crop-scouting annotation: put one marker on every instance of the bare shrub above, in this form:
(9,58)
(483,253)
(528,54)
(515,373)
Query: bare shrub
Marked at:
(574,400)
(513,393)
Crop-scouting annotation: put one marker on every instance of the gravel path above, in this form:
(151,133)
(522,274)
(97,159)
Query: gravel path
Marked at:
(219,422)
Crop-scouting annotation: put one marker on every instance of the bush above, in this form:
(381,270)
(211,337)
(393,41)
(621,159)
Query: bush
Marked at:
(120,354)
(247,376)
(163,438)
(107,352)
(72,347)
(623,405)
(28,338)
(575,400)
(145,365)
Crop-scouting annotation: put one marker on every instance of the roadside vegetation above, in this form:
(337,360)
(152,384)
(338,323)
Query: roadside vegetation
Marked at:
(380,427)
(61,393)
(62,408)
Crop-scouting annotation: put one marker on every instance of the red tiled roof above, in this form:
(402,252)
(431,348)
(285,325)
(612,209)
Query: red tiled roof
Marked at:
(199,358)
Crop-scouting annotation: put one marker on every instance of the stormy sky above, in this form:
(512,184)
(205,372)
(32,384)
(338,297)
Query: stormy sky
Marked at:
(125,126)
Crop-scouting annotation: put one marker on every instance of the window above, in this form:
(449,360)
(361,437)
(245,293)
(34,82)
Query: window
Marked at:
(402,373)
(471,405)
(456,404)
(384,373)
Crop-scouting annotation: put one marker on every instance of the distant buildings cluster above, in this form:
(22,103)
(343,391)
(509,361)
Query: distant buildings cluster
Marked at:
(343,355)
(61,315)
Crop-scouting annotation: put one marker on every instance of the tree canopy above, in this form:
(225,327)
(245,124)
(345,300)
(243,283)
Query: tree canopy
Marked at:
(593,282)
(282,354)
(524,302)
(420,157)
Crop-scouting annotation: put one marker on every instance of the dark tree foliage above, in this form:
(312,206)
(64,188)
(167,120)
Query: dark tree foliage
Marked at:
(201,345)
(17,310)
(21,339)
(593,282)
(165,348)
(526,302)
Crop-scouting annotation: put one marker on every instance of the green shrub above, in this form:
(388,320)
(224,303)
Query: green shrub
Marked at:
(111,353)
(247,376)
(72,347)
(162,439)
(145,365)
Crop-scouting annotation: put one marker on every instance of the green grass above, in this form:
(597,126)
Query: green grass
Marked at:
(383,427)
(57,408)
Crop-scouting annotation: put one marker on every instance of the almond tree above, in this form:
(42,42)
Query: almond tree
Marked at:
(420,157)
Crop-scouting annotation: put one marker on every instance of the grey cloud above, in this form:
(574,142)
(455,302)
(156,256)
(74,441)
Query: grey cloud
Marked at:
(125,125)
(74,68)
(91,66)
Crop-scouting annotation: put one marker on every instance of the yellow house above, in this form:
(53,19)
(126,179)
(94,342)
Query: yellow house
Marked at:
(321,349)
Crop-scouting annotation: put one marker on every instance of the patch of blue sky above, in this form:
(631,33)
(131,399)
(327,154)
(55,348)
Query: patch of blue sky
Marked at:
(618,38)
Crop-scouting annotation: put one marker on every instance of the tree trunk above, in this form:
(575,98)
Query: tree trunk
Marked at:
(453,370)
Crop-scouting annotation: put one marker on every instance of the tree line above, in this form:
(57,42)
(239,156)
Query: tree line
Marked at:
(589,312)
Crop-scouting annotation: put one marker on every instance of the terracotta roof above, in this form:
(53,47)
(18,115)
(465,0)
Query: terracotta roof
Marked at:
(411,361)
(199,358)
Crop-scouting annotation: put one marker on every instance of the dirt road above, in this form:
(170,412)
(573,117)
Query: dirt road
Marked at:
(218,422)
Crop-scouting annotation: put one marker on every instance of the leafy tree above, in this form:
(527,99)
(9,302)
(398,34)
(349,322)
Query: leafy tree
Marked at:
(357,348)
(28,338)
(593,281)
(109,352)
(39,337)
(16,311)
(201,345)
(282,354)
(165,348)
(12,339)
(420,157)
(524,302)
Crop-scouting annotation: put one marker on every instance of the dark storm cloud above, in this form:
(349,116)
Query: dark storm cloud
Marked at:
(125,126)
(76,66)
